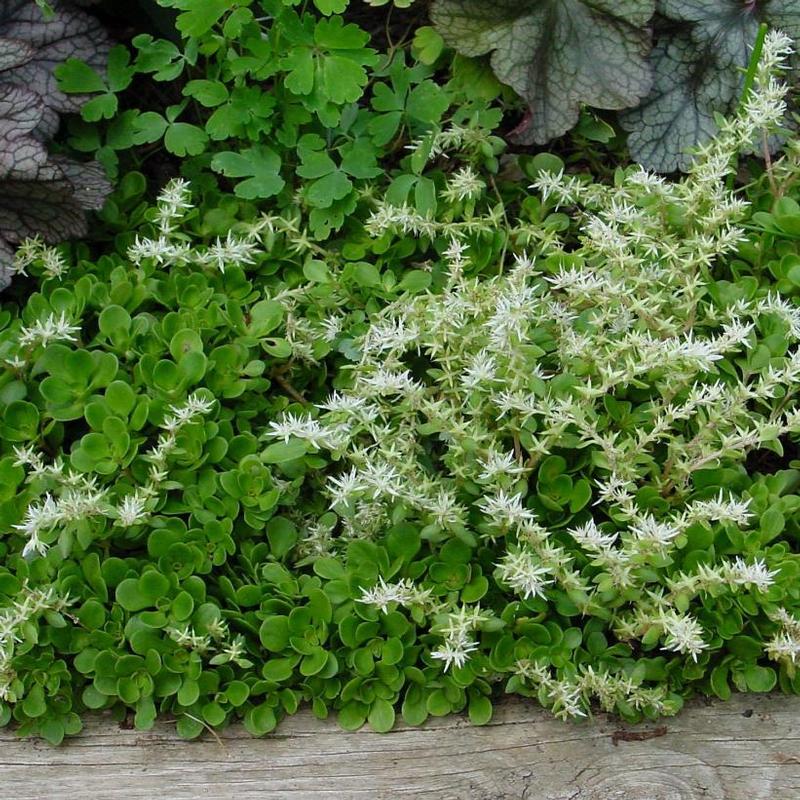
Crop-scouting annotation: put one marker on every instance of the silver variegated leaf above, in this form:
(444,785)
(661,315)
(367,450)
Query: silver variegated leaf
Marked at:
(557,54)
(724,30)
(6,264)
(702,48)
(52,205)
(14,53)
(679,113)
(67,33)
(21,153)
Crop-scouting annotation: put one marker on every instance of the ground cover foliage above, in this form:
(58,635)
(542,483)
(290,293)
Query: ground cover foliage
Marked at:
(359,410)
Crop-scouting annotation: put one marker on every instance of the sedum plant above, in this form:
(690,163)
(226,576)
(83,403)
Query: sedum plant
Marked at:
(480,437)
(138,502)
(564,424)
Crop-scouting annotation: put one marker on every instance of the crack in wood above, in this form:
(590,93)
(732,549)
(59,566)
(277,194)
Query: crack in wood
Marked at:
(627,735)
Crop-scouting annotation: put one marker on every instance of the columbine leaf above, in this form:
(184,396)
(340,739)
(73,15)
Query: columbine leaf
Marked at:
(299,65)
(159,57)
(148,127)
(328,189)
(343,79)
(207,93)
(75,77)
(119,70)
(679,113)
(198,18)
(183,138)
(329,7)
(557,54)
(326,64)
(428,44)
(259,165)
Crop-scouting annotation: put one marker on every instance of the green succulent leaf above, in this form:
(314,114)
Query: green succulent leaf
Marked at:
(557,54)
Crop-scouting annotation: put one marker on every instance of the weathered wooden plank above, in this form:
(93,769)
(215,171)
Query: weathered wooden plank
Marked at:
(747,749)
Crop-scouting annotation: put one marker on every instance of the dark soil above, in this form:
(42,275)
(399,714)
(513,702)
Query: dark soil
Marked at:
(386,24)
(766,462)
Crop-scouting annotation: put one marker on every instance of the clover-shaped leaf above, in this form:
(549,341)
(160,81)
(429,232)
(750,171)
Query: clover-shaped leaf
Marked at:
(260,166)
(327,63)
(78,77)
(196,18)
(557,54)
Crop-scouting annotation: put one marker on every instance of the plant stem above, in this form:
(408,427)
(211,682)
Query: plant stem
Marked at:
(750,77)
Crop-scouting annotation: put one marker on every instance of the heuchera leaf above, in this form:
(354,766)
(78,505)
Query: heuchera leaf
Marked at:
(679,113)
(6,264)
(66,33)
(702,48)
(15,52)
(43,195)
(51,204)
(557,54)
(730,26)
(21,154)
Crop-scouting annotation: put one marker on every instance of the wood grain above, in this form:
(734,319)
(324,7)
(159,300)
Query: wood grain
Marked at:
(746,749)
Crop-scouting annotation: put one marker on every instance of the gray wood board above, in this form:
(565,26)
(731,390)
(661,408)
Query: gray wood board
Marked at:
(746,749)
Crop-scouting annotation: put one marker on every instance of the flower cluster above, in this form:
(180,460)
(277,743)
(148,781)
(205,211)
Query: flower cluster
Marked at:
(28,604)
(72,497)
(404,593)
(229,649)
(171,247)
(785,644)
(457,631)
(34,252)
(571,697)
